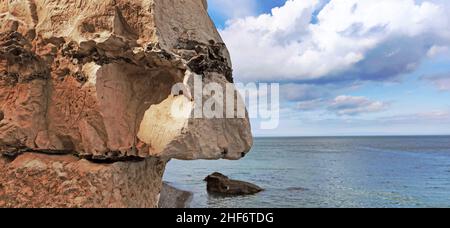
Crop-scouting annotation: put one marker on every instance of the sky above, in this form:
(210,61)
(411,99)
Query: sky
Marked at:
(345,67)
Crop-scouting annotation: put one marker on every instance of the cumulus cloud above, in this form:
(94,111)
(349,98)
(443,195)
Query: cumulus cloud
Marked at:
(307,40)
(350,106)
(343,105)
(440,81)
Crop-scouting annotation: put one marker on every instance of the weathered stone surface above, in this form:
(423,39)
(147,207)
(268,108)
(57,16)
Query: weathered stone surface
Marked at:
(218,183)
(89,82)
(172,197)
(94,77)
(39,180)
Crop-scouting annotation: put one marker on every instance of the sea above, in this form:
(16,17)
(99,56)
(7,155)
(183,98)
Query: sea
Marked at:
(329,172)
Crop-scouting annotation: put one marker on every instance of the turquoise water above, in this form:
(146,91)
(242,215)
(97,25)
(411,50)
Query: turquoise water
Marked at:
(330,172)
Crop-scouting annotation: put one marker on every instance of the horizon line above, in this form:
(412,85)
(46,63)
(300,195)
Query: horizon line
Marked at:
(343,136)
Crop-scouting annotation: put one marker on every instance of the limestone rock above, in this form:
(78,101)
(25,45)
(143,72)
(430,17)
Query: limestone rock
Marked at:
(96,77)
(39,180)
(86,97)
(218,183)
(172,197)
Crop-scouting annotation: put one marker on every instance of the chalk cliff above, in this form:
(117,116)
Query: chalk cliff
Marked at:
(86,93)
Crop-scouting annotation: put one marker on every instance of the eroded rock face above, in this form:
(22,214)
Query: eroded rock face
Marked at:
(39,180)
(92,81)
(81,75)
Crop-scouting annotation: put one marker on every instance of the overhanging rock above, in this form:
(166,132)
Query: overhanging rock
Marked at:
(93,80)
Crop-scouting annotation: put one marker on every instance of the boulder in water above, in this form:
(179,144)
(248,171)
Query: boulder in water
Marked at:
(221,184)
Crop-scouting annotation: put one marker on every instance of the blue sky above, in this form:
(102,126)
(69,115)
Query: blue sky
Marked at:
(346,67)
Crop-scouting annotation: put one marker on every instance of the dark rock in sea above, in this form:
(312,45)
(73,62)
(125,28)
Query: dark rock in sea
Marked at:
(172,197)
(221,184)
(297,189)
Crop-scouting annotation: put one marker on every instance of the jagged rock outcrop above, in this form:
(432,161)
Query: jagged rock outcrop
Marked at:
(93,79)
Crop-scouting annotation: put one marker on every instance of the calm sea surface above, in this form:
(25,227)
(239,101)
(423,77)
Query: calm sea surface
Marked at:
(330,172)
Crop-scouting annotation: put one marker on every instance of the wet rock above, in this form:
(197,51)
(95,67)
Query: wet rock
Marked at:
(218,183)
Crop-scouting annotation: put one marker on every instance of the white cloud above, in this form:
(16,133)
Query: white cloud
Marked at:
(342,105)
(349,106)
(437,50)
(441,81)
(361,39)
